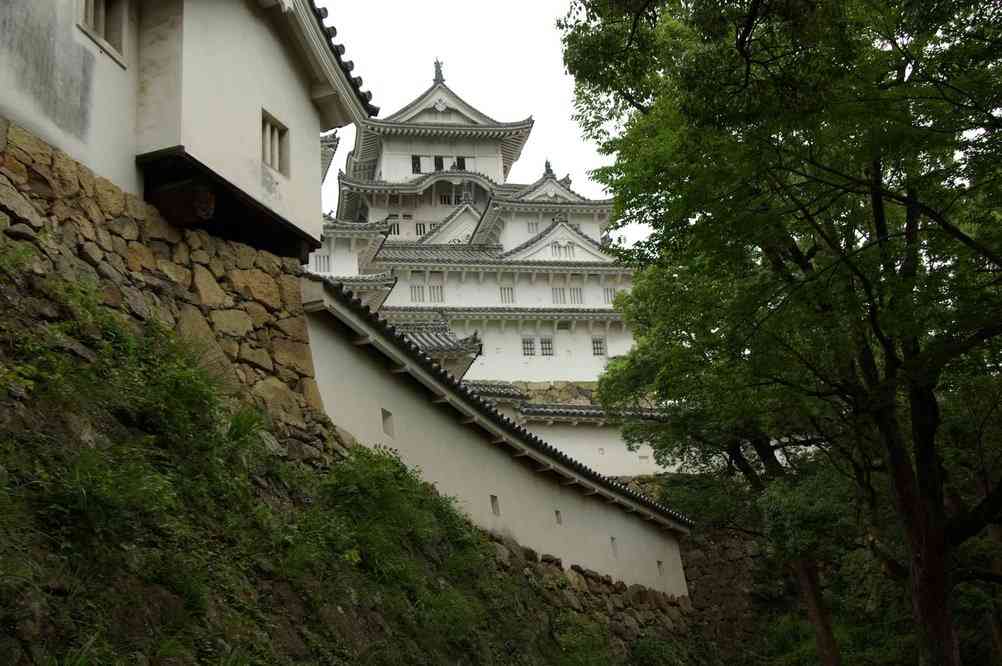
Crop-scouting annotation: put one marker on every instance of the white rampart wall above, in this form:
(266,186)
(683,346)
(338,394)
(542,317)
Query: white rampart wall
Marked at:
(600,448)
(462,463)
(58,83)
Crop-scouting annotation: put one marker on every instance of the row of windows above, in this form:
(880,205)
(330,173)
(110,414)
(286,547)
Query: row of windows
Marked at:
(558,518)
(435,293)
(560,295)
(562,250)
(598,346)
(425,163)
(420,228)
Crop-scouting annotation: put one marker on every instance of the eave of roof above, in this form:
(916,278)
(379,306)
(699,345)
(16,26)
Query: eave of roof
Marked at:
(585,238)
(560,314)
(491,420)
(364,97)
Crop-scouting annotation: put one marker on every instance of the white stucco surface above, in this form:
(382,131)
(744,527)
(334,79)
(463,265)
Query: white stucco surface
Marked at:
(235,66)
(58,83)
(462,463)
(599,447)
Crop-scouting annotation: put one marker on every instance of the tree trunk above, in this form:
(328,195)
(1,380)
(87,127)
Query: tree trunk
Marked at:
(817,612)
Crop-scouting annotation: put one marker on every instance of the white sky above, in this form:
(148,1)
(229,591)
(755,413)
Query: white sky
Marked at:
(503,57)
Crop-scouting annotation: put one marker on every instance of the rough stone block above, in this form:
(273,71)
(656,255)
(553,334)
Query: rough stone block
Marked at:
(139,257)
(191,325)
(258,285)
(109,197)
(292,294)
(86,178)
(258,314)
(232,322)
(256,357)
(64,173)
(177,274)
(91,253)
(13,169)
(124,227)
(268,262)
(135,207)
(294,355)
(279,400)
(19,208)
(39,151)
(209,292)
(181,255)
(245,256)
(295,328)
(4,126)
(92,210)
(310,391)
(200,257)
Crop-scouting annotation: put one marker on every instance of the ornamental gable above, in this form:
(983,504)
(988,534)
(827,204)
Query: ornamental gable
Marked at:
(456,228)
(551,190)
(440,105)
(559,242)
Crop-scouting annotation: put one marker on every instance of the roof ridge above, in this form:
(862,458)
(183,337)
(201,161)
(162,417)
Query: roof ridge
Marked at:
(535,239)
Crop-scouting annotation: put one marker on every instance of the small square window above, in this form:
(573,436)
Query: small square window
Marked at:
(577,296)
(274,143)
(598,346)
(387,417)
(559,517)
(104,21)
(609,295)
(415,164)
(495,505)
(507,295)
(439,163)
(546,346)
(563,325)
(417,293)
(419,228)
(533,226)
(559,295)
(394,228)
(528,346)
(461,163)
(614,546)
(436,293)
(661,568)
(445,199)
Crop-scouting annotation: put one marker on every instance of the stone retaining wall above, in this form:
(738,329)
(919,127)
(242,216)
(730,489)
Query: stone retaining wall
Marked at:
(241,304)
(567,393)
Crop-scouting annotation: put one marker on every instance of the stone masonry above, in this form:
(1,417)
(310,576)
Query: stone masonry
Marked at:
(240,305)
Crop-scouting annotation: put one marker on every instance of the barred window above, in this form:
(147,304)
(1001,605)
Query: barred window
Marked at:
(546,346)
(598,346)
(419,228)
(417,293)
(533,226)
(322,263)
(528,346)
(439,163)
(577,296)
(394,228)
(559,295)
(609,293)
(445,199)
(274,143)
(436,294)
(555,249)
(507,295)
(461,163)
(415,164)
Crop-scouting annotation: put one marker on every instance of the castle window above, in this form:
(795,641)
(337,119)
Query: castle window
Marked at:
(387,418)
(417,293)
(104,22)
(614,546)
(419,228)
(322,263)
(560,518)
(415,164)
(546,346)
(577,296)
(495,505)
(528,346)
(661,568)
(563,325)
(559,295)
(436,293)
(533,227)
(598,346)
(445,199)
(609,293)
(507,295)
(394,228)
(555,249)
(435,225)
(461,163)
(274,143)
(439,163)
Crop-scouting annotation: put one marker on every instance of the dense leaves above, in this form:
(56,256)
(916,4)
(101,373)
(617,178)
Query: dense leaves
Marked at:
(818,307)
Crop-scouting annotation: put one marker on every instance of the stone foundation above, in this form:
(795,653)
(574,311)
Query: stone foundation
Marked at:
(240,304)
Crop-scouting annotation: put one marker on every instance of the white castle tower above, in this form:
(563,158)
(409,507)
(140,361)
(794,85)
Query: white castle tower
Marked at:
(508,286)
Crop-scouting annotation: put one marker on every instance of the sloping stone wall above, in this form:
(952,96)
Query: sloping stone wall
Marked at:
(568,393)
(240,304)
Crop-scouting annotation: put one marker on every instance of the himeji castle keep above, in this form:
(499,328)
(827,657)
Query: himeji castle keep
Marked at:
(509,286)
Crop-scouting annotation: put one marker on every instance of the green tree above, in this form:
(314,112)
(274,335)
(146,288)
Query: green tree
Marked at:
(826,173)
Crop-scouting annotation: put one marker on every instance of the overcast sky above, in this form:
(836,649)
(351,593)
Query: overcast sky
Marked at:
(503,57)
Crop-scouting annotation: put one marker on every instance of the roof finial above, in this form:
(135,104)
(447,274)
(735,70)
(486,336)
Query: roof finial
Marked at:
(549,170)
(439,77)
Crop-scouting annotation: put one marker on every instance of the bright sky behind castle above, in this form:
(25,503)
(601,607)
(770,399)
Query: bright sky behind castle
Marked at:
(504,58)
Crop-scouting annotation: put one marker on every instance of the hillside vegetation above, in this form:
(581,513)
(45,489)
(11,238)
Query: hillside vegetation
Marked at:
(144,521)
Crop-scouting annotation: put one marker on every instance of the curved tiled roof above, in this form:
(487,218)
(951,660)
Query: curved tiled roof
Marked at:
(583,411)
(458,253)
(588,240)
(487,411)
(436,336)
(496,389)
(370,279)
(364,96)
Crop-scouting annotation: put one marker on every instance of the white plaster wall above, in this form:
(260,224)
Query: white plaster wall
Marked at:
(56,82)
(235,65)
(461,463)
(395,159)
(516,229)
(160,75)
(600,447)
(471,291)
(573,359)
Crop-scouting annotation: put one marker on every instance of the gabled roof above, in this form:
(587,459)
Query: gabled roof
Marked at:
(437,254)
(459,224)
(558,232)
(498,429)
(436,336)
